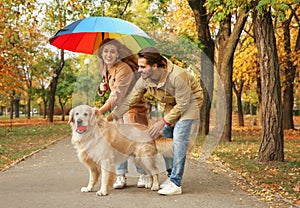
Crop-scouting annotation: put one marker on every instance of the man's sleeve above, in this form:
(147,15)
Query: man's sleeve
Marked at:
(182,97)
(132,99)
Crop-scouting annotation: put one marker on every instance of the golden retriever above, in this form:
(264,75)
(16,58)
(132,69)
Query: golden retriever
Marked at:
(101,144)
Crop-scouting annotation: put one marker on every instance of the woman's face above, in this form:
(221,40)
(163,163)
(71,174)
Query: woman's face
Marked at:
(110,54)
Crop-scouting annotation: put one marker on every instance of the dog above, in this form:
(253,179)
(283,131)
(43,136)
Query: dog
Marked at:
(101,144)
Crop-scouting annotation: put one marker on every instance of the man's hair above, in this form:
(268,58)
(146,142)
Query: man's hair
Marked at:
(153,56)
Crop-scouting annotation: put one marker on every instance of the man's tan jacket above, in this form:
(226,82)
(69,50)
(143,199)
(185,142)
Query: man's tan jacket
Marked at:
(178,90)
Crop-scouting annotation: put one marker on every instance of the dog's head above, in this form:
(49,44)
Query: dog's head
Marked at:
(81,118)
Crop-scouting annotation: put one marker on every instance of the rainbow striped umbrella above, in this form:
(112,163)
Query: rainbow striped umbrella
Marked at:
(86,35)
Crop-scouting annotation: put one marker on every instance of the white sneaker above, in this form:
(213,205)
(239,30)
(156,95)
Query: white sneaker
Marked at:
(165,183)
(141,182)
(120,182)
(170,189)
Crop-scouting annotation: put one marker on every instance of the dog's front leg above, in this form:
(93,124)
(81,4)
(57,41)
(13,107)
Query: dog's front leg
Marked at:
(149,182)
(93,179)
(104,183)
(155,183)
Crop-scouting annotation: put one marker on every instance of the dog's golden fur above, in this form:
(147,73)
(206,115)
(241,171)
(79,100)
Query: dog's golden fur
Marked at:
(101,144)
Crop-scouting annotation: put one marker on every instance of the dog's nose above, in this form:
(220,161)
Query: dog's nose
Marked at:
(79,121)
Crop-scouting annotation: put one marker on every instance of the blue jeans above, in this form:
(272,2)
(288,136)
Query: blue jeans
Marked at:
(122,168)
(167,132)
(181,133)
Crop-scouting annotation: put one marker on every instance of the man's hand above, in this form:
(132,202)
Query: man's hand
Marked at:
(156,128)
(110,117)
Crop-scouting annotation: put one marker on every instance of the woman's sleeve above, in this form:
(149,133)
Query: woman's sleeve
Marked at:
(123,80)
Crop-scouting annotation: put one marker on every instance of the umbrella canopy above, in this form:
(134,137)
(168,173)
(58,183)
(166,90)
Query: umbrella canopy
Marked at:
(86,35)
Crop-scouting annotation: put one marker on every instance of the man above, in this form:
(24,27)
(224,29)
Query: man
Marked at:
(182,95)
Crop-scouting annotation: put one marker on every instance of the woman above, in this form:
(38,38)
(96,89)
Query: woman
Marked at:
(119,68)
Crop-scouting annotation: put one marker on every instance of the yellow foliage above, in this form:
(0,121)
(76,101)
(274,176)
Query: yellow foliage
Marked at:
(180,19)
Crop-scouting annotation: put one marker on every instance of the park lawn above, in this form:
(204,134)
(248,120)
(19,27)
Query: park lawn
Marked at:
(20,141)
(264,180)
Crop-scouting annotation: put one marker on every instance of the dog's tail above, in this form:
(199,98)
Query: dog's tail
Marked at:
(165,146)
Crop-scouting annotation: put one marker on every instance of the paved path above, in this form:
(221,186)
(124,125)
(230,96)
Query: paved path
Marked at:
(54,176)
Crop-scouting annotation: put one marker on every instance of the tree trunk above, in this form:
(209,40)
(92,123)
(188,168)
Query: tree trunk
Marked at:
(53,86)
(29,106)
(258,92)
(17,106)
(11,112)
(290,73)
(271,148)
(62,107)
(238,93)
(224,69)
(227,43)
(207,69)
(29,85)
(45,108)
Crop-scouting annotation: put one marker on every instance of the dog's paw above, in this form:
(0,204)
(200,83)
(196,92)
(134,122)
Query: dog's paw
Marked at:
(101,193)
(86,189)
(155,187)
(148,185)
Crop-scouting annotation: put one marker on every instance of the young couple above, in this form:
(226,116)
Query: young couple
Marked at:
(175,87)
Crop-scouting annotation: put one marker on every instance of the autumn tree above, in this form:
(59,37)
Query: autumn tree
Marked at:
(56,16)
(227,39)
(245,70)
(58,13)
(271,148)
(34,52)
(66,85)
(288,42)
(20,40)
(42,71)
(9,41)
(202,18)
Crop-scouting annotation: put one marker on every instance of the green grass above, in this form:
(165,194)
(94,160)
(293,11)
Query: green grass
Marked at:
(23,140)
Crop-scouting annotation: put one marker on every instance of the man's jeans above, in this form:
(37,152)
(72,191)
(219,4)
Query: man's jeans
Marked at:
(180,133)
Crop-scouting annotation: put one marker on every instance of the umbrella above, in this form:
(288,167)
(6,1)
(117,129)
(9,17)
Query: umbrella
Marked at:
(85,35)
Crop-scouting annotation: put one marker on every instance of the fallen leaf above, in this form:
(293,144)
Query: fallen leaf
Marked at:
(297,202)
(297,188)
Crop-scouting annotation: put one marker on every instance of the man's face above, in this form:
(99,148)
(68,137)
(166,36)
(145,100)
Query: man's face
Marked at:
(145,69)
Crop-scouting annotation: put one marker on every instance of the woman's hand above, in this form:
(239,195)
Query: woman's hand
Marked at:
(103,87)
(156,128)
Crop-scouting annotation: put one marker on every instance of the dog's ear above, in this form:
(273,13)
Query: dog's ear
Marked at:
(71,116)
(93,118)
